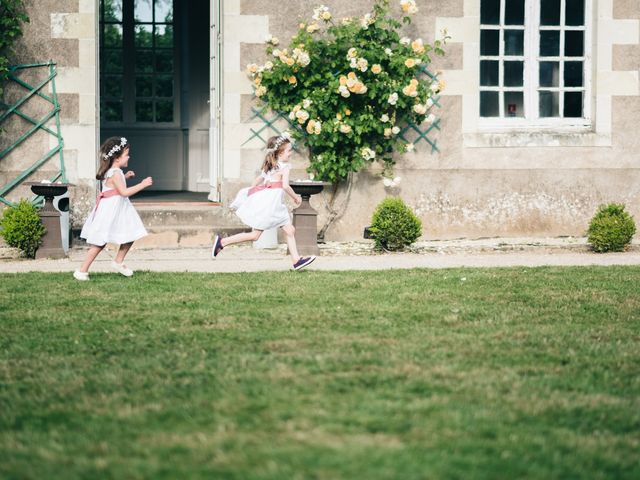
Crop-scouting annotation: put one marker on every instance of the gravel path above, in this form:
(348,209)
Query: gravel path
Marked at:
(494,252)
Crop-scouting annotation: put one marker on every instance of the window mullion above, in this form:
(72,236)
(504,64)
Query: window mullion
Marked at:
(531,59)
(501,54)
(128,38)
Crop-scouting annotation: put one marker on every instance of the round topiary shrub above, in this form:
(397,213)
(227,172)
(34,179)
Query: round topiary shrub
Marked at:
(21,227)
(394,225)
(611,229)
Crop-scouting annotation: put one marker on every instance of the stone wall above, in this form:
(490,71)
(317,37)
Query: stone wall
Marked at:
(479,184)
(63,31)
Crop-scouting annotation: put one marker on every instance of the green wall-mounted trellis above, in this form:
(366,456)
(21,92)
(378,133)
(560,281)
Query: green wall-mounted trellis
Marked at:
(270,119)
(37,124)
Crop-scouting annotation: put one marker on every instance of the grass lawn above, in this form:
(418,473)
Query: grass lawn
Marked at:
(420,374)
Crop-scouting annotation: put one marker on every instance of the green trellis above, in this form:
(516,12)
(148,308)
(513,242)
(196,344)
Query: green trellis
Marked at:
(270,119)
(37,124)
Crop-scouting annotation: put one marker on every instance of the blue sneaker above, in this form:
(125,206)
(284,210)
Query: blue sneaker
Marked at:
(303,262)
(217,246)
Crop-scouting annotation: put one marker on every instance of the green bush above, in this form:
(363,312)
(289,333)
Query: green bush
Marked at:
(21,227)
(393,225)
(611,229)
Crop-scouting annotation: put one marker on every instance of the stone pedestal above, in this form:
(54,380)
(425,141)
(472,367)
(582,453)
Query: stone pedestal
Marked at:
(305,218)
(52,240)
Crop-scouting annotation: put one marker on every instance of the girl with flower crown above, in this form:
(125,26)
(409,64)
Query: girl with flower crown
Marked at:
(261,206)
(113,219)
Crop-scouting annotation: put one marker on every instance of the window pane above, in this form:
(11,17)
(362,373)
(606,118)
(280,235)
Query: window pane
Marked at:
(549,43)
(144,111)
(572,74)
(550,12)
(164,11)
(144,61)
(549,104)
(513,42)
(513,74)
(164,61)
(549,74)
(112,111)
(573,43)
(144,86)
(489,104)
(112,10)
(112,37)
(489,73)
(164,111)
(489,40)
(513,104)
(490,12)
(514,12)
(143,11)
(144,36)
(164,36)
(574,13)
(113,86)
(573,104)
(164,86)
(112,62)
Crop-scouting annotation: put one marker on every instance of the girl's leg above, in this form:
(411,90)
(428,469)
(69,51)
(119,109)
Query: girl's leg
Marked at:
(289,231)
(91,256)
(122,252)
(251,236)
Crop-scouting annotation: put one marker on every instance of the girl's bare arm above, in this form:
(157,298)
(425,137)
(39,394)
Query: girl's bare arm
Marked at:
(287,188)
(121,186)
(258,180)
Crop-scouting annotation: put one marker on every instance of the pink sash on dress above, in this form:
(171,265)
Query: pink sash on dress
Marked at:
(108,194)
(264,186)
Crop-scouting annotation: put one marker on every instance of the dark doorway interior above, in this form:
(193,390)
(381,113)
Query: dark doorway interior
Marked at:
(154,77)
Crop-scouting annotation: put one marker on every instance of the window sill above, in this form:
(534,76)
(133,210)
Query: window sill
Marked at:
(520,139)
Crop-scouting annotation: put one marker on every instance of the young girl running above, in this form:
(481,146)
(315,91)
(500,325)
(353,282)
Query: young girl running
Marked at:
(262,207)
(113,219)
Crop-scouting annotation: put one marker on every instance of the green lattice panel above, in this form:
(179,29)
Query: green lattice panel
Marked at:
(269,128)
(36,124)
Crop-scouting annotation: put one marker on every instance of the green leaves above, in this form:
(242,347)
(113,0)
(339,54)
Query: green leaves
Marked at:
(21,227)
(394,225)
(354,68)
(12,16)
(611,229)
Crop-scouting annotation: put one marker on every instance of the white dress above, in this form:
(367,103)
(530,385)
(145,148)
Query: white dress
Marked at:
(113,220)
(265,208)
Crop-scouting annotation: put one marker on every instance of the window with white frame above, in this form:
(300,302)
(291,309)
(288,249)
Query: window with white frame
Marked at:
(534,63)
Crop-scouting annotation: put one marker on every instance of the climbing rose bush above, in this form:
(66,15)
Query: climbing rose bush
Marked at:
(349,86)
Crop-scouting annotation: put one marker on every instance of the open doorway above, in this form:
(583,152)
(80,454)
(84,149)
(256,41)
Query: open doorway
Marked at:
(154,90)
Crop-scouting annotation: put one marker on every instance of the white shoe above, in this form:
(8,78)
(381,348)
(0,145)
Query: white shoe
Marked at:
(82,276)
(122,269)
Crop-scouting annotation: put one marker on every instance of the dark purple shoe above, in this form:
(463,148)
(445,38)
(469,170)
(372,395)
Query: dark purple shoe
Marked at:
(303,262)
(217,246)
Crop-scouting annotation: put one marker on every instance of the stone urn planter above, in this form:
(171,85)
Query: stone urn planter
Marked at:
(52,240)
(305,218)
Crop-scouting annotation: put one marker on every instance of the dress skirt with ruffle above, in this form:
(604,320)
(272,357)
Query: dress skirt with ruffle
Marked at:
(263,209)
(113,220)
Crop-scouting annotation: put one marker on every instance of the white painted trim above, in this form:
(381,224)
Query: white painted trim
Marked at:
(216,103)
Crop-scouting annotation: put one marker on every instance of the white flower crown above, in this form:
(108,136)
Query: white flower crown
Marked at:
(116,148)
(283,137)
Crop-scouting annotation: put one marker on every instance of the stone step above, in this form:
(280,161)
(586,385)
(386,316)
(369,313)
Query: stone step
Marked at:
(205,216)
(184,235)
(173,225)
